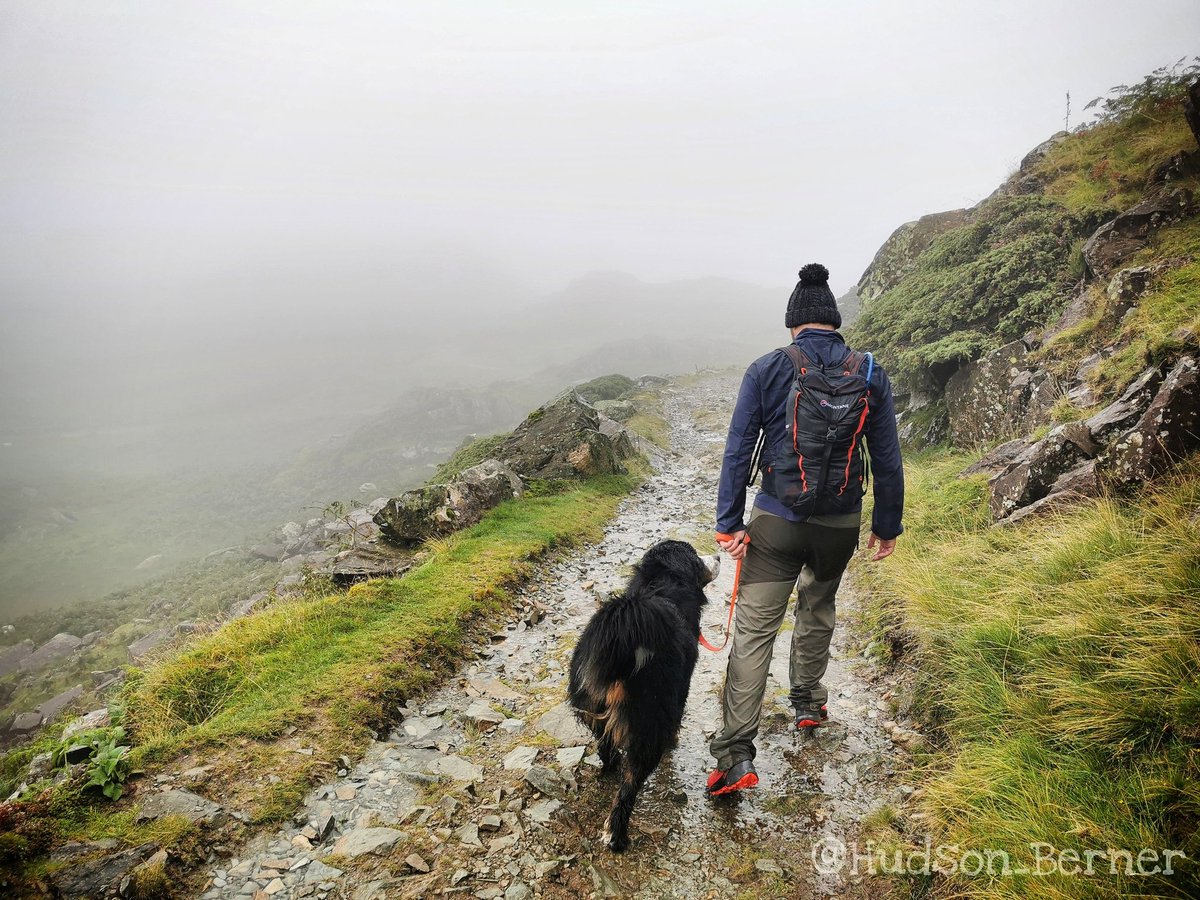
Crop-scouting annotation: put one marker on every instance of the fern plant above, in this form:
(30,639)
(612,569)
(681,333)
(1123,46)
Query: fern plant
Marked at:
(1164,85)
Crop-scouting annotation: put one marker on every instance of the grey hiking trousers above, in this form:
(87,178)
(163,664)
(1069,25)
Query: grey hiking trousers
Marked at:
(778,551)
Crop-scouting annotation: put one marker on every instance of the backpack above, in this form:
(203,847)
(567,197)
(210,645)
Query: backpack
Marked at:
(821,466)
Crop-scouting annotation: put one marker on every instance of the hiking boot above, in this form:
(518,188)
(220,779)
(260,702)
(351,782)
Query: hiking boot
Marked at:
(811,716)
(737,777)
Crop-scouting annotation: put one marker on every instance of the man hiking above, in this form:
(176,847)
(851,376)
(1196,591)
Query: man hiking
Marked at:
(816,403)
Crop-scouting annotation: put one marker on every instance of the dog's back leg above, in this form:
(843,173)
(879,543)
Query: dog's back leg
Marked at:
(610,758)
(638,767)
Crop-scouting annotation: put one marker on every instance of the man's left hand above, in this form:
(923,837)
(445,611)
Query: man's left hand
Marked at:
(886,547)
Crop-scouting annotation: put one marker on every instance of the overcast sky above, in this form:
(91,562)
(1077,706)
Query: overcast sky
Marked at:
(145,145)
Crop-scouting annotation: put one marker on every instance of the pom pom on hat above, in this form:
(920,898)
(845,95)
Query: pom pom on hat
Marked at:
(814,273)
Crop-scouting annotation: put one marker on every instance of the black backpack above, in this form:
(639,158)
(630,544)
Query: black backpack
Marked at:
(821,466)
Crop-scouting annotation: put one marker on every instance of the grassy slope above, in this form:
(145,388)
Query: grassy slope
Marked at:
(316,674)
(1062,666)
(1014,265)
(1096,174)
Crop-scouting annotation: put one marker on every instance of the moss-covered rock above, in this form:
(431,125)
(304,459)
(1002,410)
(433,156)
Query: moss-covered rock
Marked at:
(436,510)
(562,439)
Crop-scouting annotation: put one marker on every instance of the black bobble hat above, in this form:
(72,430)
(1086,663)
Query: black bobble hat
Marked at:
(812,300)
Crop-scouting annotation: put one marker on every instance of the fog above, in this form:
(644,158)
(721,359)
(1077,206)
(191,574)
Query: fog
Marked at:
(237,235)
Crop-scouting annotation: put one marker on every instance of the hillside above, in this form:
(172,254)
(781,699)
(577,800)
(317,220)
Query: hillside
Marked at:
(1044,597)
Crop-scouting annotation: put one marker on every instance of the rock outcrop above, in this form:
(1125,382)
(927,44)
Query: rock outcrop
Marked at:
(1168,429)
(1031,475)
(562,439)
(436,510)
(899,252)
(1000,395)
(1115,241)
(1152,424)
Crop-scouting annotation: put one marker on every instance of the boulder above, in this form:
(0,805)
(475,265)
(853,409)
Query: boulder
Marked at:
(1002,393)
(620,410)
(1168,429)
(55,705)
(25,722)
(99,878)
(997,458)
(373,560)
(1116,240)
(1070,487)
(1081,481)
(360,841)
(269,552)
(1123,412)
(180,803)
(247,606)
(436,510)
(10,657)
(144,645)
(97,718)
(561,440)
(57,647)
(1032,474)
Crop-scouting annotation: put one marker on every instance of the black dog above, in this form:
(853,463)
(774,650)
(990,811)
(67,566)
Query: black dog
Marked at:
(633,665)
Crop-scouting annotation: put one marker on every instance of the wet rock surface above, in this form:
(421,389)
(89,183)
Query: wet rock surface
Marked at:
(489,788)
(1004,393)
(436,510)
(562,439)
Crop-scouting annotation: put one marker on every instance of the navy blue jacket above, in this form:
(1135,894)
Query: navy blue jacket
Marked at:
(762,403)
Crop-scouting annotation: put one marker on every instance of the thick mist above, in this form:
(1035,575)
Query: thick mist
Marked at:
(251,250)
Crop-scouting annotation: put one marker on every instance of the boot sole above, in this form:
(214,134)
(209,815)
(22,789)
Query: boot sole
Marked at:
(748,780)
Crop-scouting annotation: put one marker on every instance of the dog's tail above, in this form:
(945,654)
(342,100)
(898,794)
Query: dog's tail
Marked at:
(629,634)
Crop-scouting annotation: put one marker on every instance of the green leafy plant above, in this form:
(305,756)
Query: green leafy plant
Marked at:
(108,768)
(106,754)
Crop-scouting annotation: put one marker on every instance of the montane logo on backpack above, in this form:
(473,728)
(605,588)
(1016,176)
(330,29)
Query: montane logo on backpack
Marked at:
(835,405)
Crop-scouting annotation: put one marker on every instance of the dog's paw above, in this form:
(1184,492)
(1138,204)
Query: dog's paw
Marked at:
(615,843)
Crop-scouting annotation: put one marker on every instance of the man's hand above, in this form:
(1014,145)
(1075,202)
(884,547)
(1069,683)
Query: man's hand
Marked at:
(733,544)
(885,550)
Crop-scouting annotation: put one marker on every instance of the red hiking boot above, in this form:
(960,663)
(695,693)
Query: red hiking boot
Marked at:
(811,716)
(738,777)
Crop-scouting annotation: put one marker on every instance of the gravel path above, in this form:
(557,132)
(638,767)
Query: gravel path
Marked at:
(490,789)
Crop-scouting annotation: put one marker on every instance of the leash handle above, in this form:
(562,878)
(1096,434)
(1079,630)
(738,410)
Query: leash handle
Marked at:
(737,580)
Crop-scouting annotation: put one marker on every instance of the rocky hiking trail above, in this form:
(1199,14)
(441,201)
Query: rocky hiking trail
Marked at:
(488,787)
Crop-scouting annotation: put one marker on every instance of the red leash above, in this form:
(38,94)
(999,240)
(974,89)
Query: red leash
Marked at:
(737,580)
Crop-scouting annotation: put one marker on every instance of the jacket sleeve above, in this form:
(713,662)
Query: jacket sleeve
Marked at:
(887,468)
(739,448)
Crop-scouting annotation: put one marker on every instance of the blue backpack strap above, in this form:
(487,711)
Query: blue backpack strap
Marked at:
(870,367)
